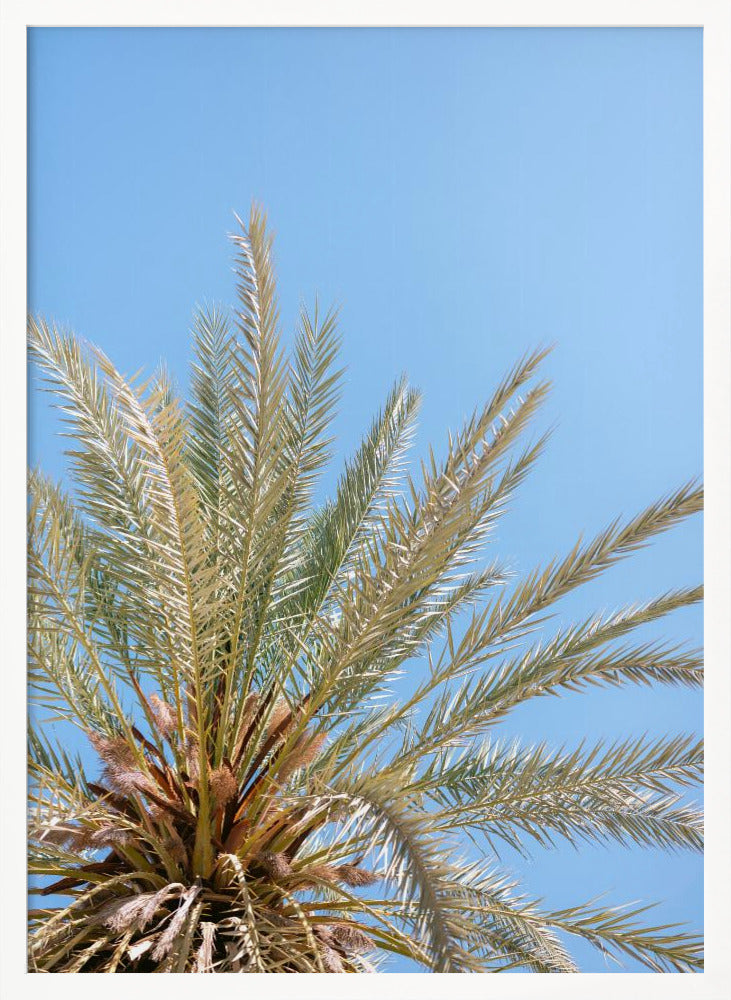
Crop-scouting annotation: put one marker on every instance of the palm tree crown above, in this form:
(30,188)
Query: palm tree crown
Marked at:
(264,802)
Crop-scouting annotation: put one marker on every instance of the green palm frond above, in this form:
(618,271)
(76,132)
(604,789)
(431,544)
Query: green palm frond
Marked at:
(337,530)
(291,703)
(616,930)
(211,416)
(626,791)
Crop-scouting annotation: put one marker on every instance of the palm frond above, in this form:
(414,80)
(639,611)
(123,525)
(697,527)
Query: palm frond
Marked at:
(580,656)
(210,413)
(625,791)
(414,862)
(617,930)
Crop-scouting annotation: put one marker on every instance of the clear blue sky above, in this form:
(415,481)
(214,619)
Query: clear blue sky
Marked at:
(464,195)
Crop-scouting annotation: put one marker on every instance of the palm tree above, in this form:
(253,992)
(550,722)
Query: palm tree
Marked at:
(263,800)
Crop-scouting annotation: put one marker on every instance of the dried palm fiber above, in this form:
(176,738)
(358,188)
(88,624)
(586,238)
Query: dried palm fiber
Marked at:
(172,841)
(136,912)
(192,760)
(121,769)
(354,876)
(304,752)
(275,864)
(350,937)
(165,716)
(59,835)
(331,961)
(111,835)
(280,713)
(204,955)
(251,703)
(312,876)
(223,785)
(169,935)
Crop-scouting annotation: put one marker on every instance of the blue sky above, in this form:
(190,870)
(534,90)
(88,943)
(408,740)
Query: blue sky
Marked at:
(463,195)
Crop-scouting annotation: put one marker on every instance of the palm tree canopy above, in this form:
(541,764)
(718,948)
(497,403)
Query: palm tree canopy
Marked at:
(265,801)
